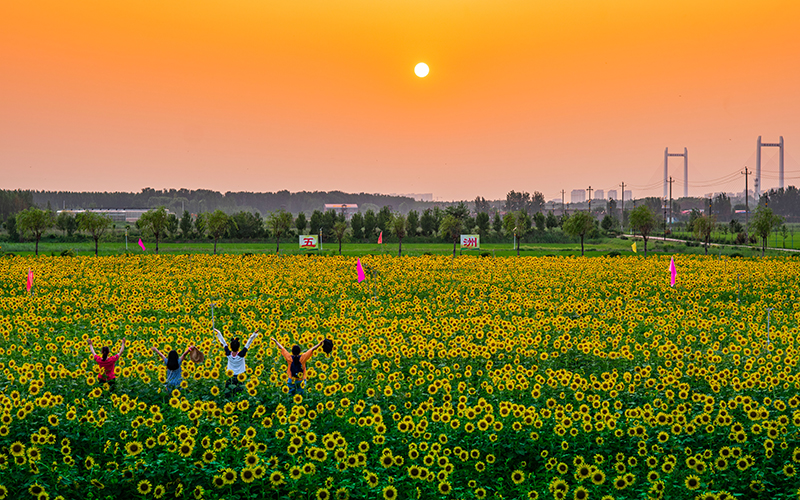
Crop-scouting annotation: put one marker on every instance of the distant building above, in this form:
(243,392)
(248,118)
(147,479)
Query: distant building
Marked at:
(577,196)
(348,209)
(612,194)
(628,194)
(598,194)
(125,215)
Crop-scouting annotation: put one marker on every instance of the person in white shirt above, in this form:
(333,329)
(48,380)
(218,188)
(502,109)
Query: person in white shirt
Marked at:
(235,357)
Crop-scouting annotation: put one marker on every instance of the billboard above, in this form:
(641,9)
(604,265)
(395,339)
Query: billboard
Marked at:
(309,242)
(470,241)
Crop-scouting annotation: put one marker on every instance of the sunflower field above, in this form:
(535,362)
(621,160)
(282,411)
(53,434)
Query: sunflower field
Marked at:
(533,377)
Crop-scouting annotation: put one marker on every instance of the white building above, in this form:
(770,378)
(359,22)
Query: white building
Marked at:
(577,196)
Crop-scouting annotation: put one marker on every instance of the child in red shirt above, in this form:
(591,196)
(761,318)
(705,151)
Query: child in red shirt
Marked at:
(107,363)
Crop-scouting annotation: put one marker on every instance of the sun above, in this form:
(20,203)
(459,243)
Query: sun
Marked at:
(421,70)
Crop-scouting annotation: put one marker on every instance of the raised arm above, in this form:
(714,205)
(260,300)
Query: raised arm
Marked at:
(284,352)
(187,351)
(220,338)
(251,339)
(91,347)
(121,348)
(155,350)
(309,353)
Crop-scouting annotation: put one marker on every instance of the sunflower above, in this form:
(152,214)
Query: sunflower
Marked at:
(218,482)
(17,449)
(692,482)
(480,493)
(248,475)
(144,487)
(276,479)
(159,491)
(445,488)
(390,493)
(295,473)
(229,475)
(518,477)
(581,493)
(133,448)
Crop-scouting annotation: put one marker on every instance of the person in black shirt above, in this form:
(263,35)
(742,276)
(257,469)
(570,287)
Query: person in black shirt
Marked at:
(296,366)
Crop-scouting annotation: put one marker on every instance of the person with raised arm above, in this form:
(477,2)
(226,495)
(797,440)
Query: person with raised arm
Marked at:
(173,362)
(296,375)
(236,363)
(107,363)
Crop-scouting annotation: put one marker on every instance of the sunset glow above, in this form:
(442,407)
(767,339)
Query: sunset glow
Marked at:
(264,95)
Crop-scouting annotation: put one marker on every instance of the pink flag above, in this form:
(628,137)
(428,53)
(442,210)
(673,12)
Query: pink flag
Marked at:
(141,244)
(360,270)
(380,238)
(673,273)
(29,285)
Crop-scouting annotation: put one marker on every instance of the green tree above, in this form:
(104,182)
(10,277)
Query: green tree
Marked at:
(279,221)
(66,222)
(762,223)
(35,221)
(329,219)
(702,228)
(643,219)
(217,223)
(173,223)
(95,224)
(399,226)
(316,222)
(339,232)
(155,221)
(579,224)
(412,222)
(552,220)
(540,220)
(451,227)
(428,222)
(11,226)
(301,222)
(357,226)
(201,224)
(609,223)
(517,224)
(497,223)
(384,219)
(186,225)
(483,223)
(370,223)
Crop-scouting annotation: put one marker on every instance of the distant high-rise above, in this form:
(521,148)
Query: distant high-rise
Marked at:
(577,196)
(612,194)
(628,194)
(598,194)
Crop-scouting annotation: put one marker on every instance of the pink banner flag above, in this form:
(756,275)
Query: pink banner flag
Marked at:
(380,238)
(360,270)
(29,284)
(673,273)
(141,244)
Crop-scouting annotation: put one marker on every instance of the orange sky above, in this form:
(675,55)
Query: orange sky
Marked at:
(263,95)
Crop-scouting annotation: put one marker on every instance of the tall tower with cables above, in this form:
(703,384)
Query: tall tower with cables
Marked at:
(759,145)
(685,155)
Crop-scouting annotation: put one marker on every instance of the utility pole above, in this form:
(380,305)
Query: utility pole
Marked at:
(670,202)
(664,205)
(590,200)
(746,205)
(622,210)
(563,206)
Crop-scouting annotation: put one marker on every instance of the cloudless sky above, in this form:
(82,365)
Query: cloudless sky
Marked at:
(264,95)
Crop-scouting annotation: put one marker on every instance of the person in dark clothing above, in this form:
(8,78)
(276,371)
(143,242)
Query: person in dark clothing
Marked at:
(296,366)
(107,363)
(173,362)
